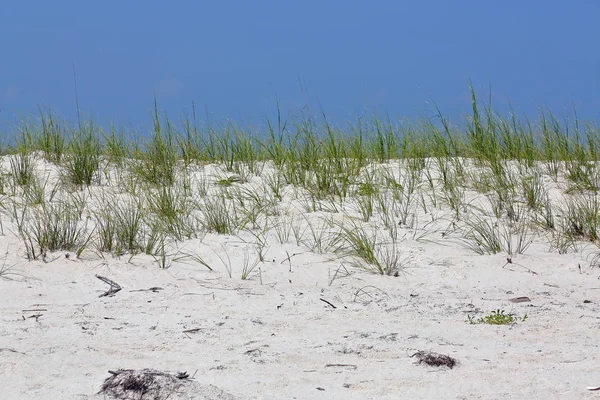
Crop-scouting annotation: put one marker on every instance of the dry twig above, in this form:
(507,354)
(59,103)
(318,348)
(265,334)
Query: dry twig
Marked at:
(114,287)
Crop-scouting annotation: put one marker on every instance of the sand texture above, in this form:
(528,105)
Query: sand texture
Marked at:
(306,323)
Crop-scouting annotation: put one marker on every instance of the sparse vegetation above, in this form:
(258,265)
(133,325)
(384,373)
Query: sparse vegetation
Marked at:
(497,317)
(496,184)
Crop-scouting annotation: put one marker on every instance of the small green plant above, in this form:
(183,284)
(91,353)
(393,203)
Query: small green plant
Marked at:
(248,266)
(497,317)
(229,181)
(283,228)
(367,189)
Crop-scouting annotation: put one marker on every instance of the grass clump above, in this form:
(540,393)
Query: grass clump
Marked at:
(83,158)
(581,218)
(172,208)
(22,169)
(51,137)
(218,216)
(22,162)
(497,317)
(119,228)
(367,251)
(157,162)
(116,149)
(57,225)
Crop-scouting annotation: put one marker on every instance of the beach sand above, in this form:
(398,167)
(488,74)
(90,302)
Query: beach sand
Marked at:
(303,325)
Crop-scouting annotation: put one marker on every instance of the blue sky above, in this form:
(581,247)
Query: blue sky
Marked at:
(234,58)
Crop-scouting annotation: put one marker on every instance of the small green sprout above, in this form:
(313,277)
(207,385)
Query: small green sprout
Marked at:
(497,317)
(227,182)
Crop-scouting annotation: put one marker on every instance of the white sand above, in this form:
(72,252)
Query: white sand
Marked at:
(272,337)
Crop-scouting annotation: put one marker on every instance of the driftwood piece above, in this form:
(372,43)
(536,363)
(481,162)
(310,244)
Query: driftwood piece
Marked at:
(193,330)
(522,299)
(346,366)
(114,287)
(325,301)
(153,289)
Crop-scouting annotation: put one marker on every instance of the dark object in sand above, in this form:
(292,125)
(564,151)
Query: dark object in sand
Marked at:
(150,384)
(522,299)
(114,286)
(435,359)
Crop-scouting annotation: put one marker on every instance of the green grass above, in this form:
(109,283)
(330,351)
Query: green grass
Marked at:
(57,225)
(171,206)
(50,137)
(119,226)
(219,215)
(83,159)
(366,250)
(156,162)
(500,182)
(497,317)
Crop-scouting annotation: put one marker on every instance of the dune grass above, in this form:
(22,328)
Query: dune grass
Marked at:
(354,192)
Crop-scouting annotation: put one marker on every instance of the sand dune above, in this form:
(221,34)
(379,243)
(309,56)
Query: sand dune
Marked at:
(306,323)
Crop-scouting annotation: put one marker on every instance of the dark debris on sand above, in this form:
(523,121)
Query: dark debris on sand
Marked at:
(125,384)
(434,359)
(150,384)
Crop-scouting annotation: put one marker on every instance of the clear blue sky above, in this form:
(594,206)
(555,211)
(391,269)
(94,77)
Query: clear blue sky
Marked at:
(234,57)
